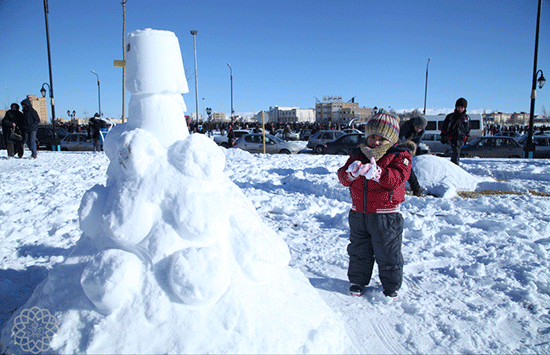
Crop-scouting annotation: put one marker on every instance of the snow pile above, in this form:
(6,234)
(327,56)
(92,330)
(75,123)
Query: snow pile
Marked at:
(173,257)
(440,177)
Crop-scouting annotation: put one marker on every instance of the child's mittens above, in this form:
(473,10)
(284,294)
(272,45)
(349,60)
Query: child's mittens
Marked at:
(374,172)
(354,169)
(357,168)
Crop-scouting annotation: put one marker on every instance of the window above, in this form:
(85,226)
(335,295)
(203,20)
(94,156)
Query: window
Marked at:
(430,126)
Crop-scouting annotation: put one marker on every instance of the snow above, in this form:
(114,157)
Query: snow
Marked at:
(168,243)
(476,270)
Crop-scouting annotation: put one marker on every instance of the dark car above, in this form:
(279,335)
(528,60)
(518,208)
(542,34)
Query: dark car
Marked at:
(345,144)
(305,134)
(491,147)
(542,145)
(44,135)
(318,141)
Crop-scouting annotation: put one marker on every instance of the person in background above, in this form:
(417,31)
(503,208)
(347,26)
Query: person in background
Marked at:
(231,136)
(94,132)
(286,132)
(456,129)
(376,174)
(12,119)
(30,126)
(413,130)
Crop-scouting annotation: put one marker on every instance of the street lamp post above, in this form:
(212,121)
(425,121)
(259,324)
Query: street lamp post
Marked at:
(50,86)
(98,93)
(55,143)
(194,33)
(529,146)
(426,86)
(231,75)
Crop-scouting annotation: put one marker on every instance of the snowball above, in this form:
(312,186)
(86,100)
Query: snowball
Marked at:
(199,276)
(200,212)
(130,215)
(198,157)
(132,153)
(111,278)
(89,212)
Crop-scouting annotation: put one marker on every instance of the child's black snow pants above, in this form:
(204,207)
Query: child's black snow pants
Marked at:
(376,237)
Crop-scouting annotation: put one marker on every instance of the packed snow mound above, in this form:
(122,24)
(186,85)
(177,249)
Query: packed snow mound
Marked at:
(440,177)
(172,247)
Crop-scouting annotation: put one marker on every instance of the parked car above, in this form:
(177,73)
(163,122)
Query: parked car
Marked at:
(318,141)
(512,134)
(44,135)
(351,130)
(294,136)
(345,144)
(542,145)
(77,142)
(305,134)
(491,147)
(432,140)
(223,140)
(253,143)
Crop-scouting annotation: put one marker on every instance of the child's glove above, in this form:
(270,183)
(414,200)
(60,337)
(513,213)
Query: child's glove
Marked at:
(374,172)
(357,168)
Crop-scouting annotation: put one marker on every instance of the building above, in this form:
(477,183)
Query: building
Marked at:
(280,114)
(334,110)
(219,116)
(40,104)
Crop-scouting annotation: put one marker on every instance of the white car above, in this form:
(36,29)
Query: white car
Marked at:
(253,143)
(294,136)
(77,142)
(223,140)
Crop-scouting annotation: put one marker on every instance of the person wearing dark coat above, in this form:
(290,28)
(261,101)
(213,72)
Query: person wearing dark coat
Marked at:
(30,126)
(11,122)
(412,131)
(456,129)
(94,132)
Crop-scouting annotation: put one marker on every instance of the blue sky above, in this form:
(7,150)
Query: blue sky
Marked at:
(286,53)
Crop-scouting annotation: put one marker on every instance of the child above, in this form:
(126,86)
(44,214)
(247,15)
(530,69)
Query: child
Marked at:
(376,174)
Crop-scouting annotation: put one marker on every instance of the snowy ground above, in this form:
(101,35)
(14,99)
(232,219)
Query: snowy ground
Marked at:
(477,276)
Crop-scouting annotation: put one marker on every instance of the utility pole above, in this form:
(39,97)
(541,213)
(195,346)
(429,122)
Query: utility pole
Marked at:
(194,33)
(123,2)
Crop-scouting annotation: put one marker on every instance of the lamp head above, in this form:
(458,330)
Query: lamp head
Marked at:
(43,91)
(541,80)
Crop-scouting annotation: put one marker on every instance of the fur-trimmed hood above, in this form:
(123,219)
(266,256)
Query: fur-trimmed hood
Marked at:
(408,145)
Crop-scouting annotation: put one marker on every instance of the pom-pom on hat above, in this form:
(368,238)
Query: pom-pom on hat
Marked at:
(383,124)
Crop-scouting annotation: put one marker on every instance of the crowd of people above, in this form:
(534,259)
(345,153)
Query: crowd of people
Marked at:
(20,128)
(224,127)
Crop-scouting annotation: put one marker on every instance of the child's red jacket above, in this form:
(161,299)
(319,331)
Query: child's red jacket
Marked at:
(385,195)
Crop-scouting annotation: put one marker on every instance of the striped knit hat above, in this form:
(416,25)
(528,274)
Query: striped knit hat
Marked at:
(383,124)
